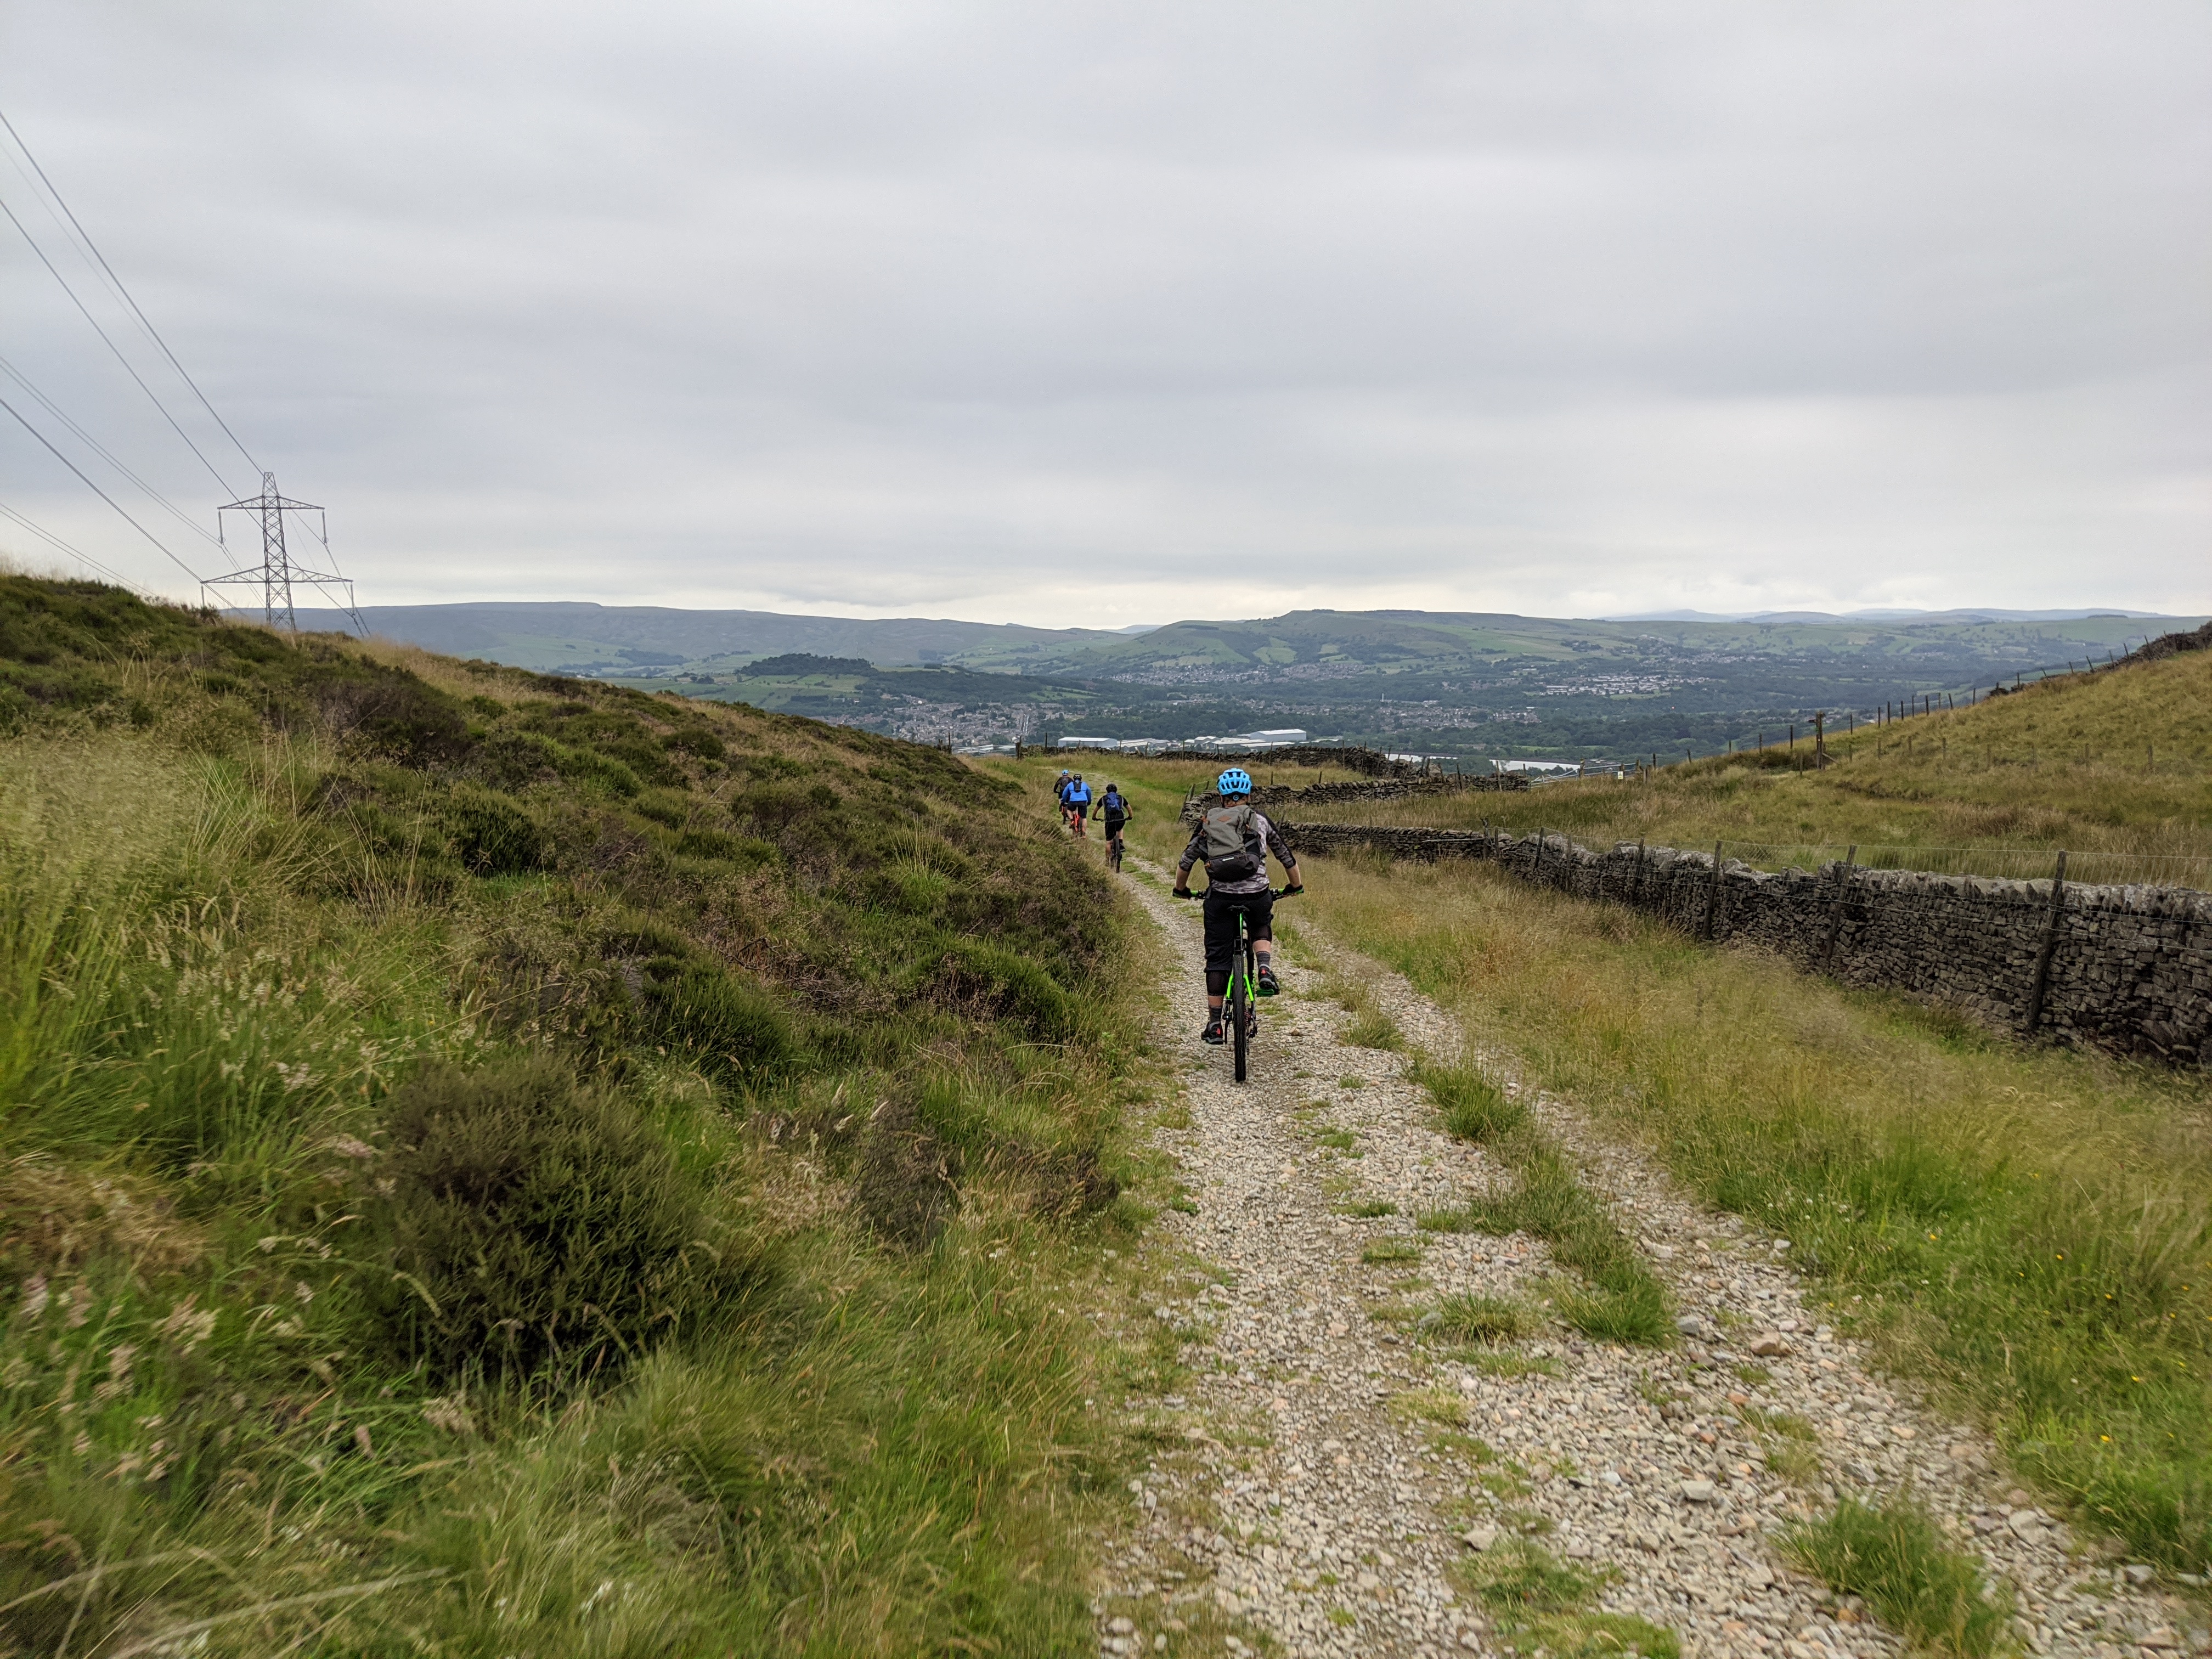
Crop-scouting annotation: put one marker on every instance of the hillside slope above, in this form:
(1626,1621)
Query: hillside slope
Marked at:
(2118,765)
(497,1165)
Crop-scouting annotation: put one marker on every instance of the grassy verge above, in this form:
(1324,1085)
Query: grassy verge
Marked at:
(2031,1231)
(493,1163)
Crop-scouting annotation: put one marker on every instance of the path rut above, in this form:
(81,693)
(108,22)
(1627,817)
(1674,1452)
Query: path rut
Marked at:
(1296,1493)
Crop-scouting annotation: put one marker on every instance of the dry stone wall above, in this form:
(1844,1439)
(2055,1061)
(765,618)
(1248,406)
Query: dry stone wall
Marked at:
(1379,790)
(2128,968)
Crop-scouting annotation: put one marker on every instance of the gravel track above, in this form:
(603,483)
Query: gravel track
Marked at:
(1294,1492)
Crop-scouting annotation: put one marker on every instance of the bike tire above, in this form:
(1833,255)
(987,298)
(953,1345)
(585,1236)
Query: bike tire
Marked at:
(1240,1003)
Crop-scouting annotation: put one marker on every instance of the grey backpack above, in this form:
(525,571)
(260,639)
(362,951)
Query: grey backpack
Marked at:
(1234,849)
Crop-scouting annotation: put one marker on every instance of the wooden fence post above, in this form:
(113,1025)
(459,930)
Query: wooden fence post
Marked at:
(1836,907)
(1639,893)
(2042,982)
(1713,892)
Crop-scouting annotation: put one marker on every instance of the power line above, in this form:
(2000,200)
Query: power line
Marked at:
(105,453)
(110,344)
(98,491)
(82,557)
(143,321)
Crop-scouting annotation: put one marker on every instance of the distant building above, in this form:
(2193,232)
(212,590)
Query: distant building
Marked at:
(1285,735)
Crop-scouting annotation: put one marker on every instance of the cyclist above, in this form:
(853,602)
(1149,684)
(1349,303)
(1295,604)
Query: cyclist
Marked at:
(1079,803)
(1234,840)
(1059,791)
(1113,807)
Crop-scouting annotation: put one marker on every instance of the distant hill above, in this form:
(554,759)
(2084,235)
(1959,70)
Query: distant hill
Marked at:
(1486,683)
(577,637)
(1976,613)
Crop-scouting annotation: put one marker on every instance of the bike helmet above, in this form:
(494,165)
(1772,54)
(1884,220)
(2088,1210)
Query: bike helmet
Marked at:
(1235,781)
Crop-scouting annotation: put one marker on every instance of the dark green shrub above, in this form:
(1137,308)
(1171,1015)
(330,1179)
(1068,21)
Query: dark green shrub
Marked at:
(731,1026)
(908,1182)
(663,807)
(389,710)
(491,836)
(534,1225)
(985,980)
(698,740)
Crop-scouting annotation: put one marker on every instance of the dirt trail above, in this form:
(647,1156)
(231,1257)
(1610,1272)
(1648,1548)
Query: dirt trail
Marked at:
(1322,1471)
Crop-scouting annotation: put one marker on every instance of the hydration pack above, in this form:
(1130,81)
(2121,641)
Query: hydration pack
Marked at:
(1234,849)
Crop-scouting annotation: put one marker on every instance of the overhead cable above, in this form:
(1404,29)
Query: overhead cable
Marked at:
(124,293)
(110,344)
(82,557)
(144,322)
(105,453)
(98,491)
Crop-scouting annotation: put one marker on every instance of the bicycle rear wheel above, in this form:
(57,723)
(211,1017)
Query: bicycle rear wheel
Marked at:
(1240,1012)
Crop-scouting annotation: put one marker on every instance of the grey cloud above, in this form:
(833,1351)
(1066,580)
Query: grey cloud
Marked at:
(1041,314)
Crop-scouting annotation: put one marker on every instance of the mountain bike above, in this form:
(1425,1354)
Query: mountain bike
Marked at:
(1114,850)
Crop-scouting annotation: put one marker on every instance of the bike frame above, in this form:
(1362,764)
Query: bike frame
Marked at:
(1243,979)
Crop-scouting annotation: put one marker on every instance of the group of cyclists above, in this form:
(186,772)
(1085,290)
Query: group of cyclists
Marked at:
(1078,810)
(1233,840)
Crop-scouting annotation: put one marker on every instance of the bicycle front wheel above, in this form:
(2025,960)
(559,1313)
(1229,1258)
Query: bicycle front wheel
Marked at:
(1240,1012)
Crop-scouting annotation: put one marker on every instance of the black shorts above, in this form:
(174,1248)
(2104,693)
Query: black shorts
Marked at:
(1113,825)
(1221,912)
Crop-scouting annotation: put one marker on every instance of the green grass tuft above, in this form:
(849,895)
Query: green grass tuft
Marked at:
(1386,1250)
(1469,1105)
(1488,1319)
(1898,1558)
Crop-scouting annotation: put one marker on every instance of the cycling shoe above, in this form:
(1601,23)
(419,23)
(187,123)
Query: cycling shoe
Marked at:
(1269,985)
(1215,1032)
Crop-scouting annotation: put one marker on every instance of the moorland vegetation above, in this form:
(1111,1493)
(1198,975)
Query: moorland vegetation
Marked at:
(492,1163)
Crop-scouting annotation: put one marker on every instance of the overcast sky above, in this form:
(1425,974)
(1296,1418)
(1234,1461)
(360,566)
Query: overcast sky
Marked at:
(1076,314)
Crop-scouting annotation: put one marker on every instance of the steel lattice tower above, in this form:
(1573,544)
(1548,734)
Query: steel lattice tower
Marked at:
(277,572)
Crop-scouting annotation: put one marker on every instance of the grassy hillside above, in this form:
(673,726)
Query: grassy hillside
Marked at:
(2116,764)
(495,1165)
(2028,1230)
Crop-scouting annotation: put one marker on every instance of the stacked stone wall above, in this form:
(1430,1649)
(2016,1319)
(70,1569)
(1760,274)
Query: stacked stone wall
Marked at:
(1369,762)
(2127,968)
(1380,789)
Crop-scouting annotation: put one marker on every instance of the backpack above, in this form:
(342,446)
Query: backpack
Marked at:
(1234,850)
(1114,806)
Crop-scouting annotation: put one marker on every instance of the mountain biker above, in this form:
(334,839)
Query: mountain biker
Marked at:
(1079,803)
(1059,791)
(1113,807)
(1234,840)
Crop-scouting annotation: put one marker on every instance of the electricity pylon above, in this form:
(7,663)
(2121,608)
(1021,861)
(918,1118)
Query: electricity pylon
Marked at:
(277,572)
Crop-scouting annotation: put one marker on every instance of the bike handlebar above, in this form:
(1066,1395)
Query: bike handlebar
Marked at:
(1276,893)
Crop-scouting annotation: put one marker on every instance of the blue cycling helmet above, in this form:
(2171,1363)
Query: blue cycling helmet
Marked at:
(1235,781)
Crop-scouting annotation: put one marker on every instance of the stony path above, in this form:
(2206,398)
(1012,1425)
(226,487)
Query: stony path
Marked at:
(1321,1472)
